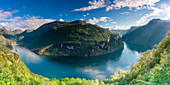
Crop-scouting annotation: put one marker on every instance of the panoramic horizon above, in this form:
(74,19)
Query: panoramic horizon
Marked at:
(84,42)
(112,14)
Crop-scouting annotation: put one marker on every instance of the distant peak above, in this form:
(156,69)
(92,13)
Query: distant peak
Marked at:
(78,21)
(3,28)
(159,20)
(28,30)
(72,22)
(156,20)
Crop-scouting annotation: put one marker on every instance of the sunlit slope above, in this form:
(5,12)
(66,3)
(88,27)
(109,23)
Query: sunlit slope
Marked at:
(14,72)
(77,38)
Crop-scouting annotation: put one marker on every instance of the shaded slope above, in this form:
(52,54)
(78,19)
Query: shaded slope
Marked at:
(152,68)
(150,34)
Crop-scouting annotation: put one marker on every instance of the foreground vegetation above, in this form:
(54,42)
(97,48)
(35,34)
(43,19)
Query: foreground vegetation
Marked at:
(153,68)
(14,72)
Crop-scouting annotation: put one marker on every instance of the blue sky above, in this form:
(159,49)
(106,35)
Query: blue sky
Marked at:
(115,14)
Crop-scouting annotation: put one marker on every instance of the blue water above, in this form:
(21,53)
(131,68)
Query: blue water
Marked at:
(99,67)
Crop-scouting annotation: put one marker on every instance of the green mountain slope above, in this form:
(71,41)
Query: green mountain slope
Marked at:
(5,43)
(14,72)
(4,31)
(9,34)
(148,35)
(153,68)
(77,38)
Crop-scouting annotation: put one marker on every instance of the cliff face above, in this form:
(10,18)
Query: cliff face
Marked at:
(86,49)
(77,38)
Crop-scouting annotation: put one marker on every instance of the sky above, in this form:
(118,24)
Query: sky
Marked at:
(113,14)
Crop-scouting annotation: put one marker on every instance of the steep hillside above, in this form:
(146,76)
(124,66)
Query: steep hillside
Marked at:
(133,28)
(4,31)
(14,72)
(9,34)
(77,38)
(5,43)
(150,34)
(21,35)
(153,68)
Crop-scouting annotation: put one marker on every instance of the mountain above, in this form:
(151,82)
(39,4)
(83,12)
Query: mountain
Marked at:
(5,44)
(120,32)
(9,34)
(133,28)
(152,68)
(77,38)
(17,31)
(21,35)
(4,31)
(149,34)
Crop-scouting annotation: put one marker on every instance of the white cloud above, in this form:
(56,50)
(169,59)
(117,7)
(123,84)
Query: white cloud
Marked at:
(137,4)
(133,3)
(109,7)
(6,15)
(93,5)
(26,22)
(164,10)
(103,19)
(61,20)
(113,22)
(117,4)
(125,13)
(82,19)
(119,27)
(95,20)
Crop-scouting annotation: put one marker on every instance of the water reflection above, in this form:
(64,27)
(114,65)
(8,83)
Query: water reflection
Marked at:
(99,67)
(139,48)
(26,55)
(86,61)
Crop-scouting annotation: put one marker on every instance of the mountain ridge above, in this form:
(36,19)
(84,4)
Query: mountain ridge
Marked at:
(76,38)
(148,35)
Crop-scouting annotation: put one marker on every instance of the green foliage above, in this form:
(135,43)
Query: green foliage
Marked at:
(71,39)
(5,44)
(14,72)
(153,67)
